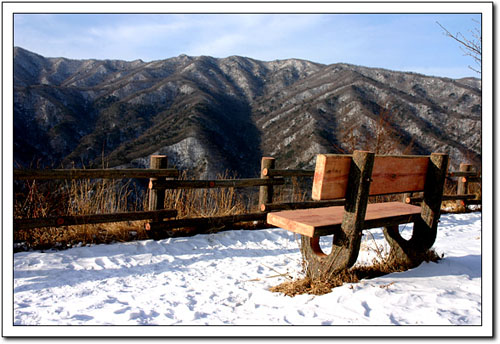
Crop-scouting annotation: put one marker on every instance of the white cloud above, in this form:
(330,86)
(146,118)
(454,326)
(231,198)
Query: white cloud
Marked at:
(135,33)
(251,35)
(219,46)
(380,41)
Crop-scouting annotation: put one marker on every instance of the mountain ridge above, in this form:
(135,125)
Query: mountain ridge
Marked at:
(216,114)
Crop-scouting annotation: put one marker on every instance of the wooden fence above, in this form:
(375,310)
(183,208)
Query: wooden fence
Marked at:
(161,178)
(466,175)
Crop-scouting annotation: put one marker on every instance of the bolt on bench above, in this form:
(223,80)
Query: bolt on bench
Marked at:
(356,177)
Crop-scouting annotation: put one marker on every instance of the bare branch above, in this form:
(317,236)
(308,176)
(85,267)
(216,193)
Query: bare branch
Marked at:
(470,47)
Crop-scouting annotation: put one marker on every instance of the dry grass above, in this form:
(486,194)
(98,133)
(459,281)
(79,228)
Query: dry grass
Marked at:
(295,189)
(71,236)
(206,202)
(85,197)
(380,265)
(37,199)
(323,286)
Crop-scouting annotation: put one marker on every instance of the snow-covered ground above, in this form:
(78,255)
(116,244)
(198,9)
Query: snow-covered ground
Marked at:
(223,279)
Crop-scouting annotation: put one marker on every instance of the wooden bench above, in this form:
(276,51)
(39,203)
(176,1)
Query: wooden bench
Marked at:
(356,177)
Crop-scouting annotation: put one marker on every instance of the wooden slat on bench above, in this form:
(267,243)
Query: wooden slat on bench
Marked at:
(324,221)
(330,176)
(395,174)
(390,213)
(391,174)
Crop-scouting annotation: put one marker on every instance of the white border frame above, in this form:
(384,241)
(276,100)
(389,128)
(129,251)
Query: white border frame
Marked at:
(486,8)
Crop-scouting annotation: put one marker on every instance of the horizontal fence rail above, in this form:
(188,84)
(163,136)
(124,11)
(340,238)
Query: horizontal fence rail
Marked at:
(300,205)
(60,221)
(473,179)
(287,173)
(462,174)
(416,199)
(213,221)
(95,174)
(465,176)
(220,183)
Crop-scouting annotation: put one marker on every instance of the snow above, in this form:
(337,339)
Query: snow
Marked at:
(223,279)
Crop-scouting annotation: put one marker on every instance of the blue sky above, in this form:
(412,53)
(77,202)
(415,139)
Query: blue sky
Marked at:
(406,42)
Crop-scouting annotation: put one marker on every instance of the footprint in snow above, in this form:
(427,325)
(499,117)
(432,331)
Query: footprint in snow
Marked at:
(367,308)
(34,261)
(122,310)
(100,262)
(144,318)
(111,299)
(82,317)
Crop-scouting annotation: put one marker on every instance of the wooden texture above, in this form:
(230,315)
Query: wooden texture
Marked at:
(205,221)
(156,199)
(219,183)
(463,185)
(266,191)
(355,178)
(287,173)
(397,174)
(391,174)
(411,252)
(300,205)
(433,192)
(346,242)
(330,176)
(417,199)
(473,179)
(308,222)
(325,221)
(92,219)
(94,174)
(462,174)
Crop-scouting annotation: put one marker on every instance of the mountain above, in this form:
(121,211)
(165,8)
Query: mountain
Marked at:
(215,114)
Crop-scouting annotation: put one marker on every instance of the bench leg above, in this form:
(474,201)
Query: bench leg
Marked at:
(322,266)
(346,242)
(410,253)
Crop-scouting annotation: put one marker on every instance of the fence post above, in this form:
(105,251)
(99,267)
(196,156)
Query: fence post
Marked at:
(463,184)
(407,197)
(266,191)
(157,196)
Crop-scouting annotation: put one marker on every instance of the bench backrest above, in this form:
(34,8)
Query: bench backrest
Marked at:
(390,174)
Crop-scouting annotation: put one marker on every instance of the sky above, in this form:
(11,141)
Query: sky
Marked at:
(403,42)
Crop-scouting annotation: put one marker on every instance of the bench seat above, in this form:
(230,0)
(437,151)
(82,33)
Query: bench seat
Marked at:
(324,221)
